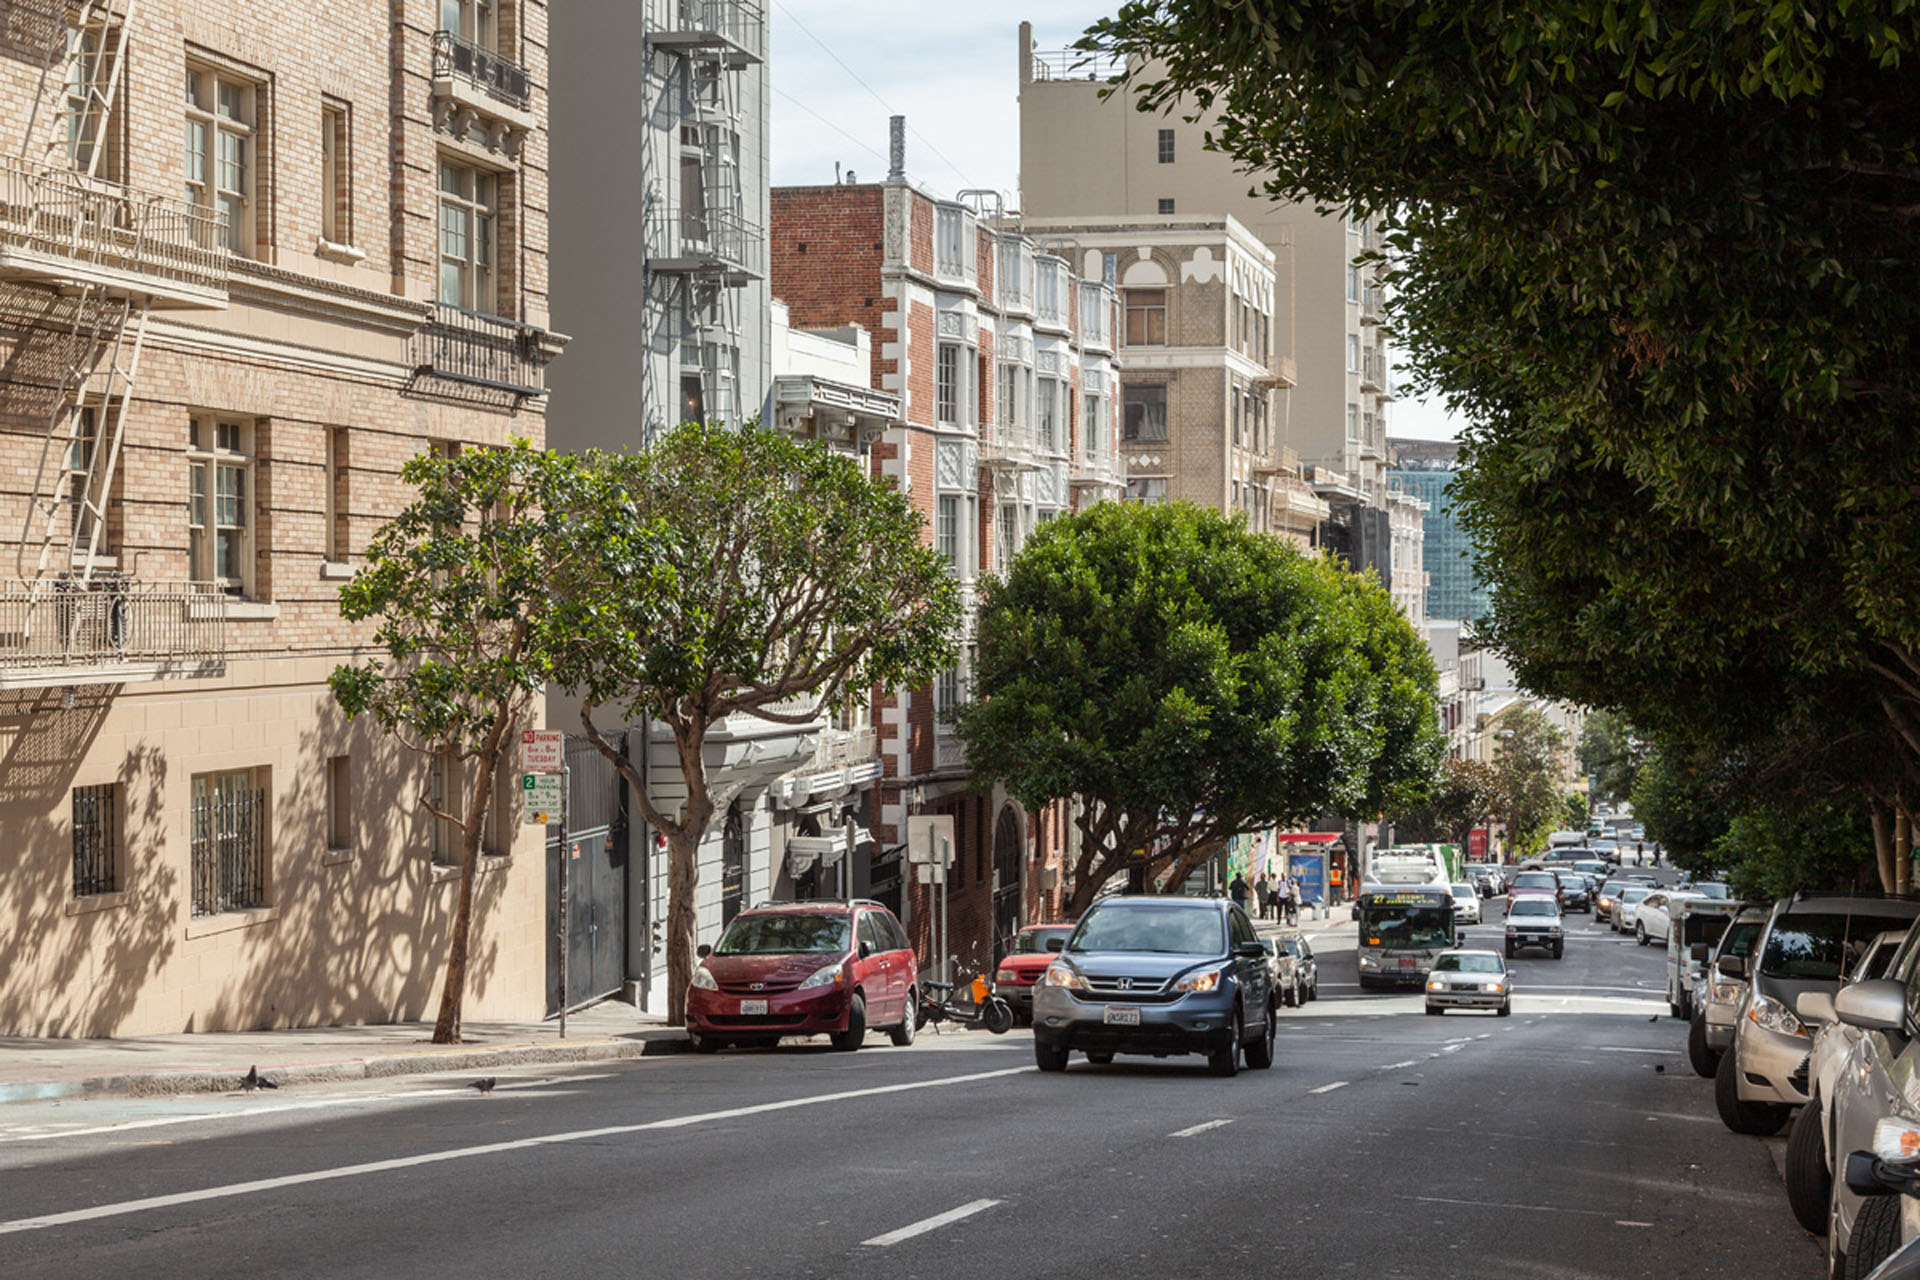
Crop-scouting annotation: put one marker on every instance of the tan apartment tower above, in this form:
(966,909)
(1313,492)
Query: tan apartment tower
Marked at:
(253,258)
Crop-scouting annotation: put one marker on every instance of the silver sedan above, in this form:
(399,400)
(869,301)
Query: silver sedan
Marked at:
(1469,980)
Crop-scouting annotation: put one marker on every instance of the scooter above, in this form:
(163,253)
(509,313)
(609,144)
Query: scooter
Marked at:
(987,1010)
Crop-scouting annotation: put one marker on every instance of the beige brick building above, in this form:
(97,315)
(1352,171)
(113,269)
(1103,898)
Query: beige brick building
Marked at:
(227,317)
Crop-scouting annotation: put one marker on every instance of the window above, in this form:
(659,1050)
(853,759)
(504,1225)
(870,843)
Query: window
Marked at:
(1049,281)
(334,515)
(1147,489)
(443,793)
(85,110)
(1145,414)
(1090,405)
(469,206)
(1046,411)
(229,842)
(946,385)
(1166,204)
(1353,422)
(950,242)
(472,20)
(84,506)
(96,839)
(220,504)
(1166,149)
(336,177)
(946,693)
(339,803)
(1011,282)
(1146,317)
(1234,395)
(1353,353)
(1353,282)
(946,528)
(221,114)
(1007,374)
(1009,544)
(693,398)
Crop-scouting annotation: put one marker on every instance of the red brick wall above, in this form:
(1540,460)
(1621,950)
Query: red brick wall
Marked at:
(826,256)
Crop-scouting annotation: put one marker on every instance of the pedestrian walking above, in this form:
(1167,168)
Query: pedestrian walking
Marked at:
(1287,889)
(1238,891)
(1263,895)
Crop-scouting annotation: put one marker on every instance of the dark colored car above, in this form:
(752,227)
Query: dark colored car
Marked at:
(1032,950)
(1160,976)
(805,968)
(1306,968)
(1576,891)
(1533,882)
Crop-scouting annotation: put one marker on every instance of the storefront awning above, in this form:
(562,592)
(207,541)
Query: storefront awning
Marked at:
(1307,837)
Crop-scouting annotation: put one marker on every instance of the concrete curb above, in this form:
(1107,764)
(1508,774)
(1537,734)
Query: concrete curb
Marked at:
(147,1084)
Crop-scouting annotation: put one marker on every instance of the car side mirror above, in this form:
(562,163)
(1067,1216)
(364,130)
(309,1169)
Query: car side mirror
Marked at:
(1878,1004)
(1266,945)
(1814,1006)
(1056,944)
(1699,952)
(703,951)
(1733,966)
(866,948)
(1250,950)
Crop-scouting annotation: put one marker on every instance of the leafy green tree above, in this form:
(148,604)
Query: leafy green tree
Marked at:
(1528,763)
(460,586)
(1610,753)
(1462,796)
(791,578)
(1660,258)
(1577,811)
(1188,681)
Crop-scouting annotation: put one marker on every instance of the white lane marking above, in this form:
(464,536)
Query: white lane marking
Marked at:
(1626,1222)
(1483,1035)
(1329,1088)
(1504,1204)
(1395,1066)
(1200,1128)
(488,1149)
(1451,1048)
(1665,1053)
(925,1225)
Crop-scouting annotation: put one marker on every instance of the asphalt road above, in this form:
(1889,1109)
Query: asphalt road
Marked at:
(1568,1140)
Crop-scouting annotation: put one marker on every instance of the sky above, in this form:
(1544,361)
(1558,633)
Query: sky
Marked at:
(840,68)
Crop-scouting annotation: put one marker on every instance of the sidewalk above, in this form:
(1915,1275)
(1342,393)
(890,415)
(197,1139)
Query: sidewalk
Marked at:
(1337,918)
(214,1062)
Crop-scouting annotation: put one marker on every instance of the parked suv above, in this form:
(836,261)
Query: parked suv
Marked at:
(1809,944)
(1028,956)
(804,968)
(1158,975)
(1710,1030)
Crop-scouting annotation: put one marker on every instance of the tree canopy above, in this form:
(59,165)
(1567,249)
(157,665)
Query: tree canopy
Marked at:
(1188,680)
(1528,764)
(1663,259)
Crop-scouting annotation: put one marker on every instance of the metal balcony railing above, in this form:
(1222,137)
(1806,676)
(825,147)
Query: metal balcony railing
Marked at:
(497,76)
(59,631)
(736,26)
(1002,445)
(481,350)
(57,223)
(1072,64)
(844,748)
(718,242)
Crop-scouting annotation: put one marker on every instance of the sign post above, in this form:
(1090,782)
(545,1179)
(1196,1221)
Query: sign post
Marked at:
(543,791)
(930,846)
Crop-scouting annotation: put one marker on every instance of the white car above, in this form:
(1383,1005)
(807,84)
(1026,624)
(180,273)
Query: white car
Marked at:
(1466,904)
(1624,906)
(1653,918)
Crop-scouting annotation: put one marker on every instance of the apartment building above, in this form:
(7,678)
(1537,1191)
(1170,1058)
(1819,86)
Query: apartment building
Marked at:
(1203,402)
(253,258)
(1084,157)
(1003,358)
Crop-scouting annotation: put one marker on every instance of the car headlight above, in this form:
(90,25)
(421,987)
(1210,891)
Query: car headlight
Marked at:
(825,976)
(1369,962)
(1774,1016)
(1060,974)
(1511,931)
(1208,980)
(1496,986)
(1726,992)
(1006,975)
(1436,985)
(703,979)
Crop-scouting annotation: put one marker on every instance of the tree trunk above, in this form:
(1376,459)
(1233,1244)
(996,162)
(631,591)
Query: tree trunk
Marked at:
(1882,842)
(1902,850)
(446,1027)
(683,877)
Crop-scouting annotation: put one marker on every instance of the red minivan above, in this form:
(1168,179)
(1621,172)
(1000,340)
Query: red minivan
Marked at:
(805,968)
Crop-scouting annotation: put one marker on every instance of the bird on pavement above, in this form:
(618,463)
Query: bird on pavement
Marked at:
(483,1086)
(254,1080)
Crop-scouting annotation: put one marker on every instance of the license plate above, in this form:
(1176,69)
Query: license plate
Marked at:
(753,1006)
(1118,1017)
(1407,962)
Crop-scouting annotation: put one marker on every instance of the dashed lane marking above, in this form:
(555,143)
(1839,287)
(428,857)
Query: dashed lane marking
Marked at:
(934,1223)
(1329,1088)
(1200,1128)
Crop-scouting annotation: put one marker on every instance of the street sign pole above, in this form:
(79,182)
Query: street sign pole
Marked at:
(566,878)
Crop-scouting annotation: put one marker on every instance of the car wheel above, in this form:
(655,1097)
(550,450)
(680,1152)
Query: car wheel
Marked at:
(902,1034)
(1640,934)
(1759,1119)
(1225,1061)
(1506,1010)
(1260,1052)
(1049,1057)
(1809,1181)
(849,1040)
(1700,1055)
(1876,1234)
(1836,1248)
(702,1044)
(1313,988)
(1434,1011)
(1559,949)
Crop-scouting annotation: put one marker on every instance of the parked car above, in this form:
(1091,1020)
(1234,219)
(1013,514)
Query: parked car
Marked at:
(1653,918)
(1576,891)
(1028,956)
(1809,943)
(1710,1030)
(1809,1166)
(1533,882)
(1627,903)
(1603,901)
(1697,925)
(1711,889)
(804,968)
(1284,968)
(1465,979)
(1160,976)
(1482,877)
(1534,921)
(1466,904)
(1306,967)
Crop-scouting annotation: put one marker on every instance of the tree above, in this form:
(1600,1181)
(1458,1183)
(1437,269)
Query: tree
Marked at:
(1187,681)
(459,585)
(1662,259)
(1577,810)
(1462,796)
(1610,754)
(791,579)
(1527,766)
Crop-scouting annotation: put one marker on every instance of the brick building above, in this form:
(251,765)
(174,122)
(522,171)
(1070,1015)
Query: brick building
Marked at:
(1003,359)
(227,318)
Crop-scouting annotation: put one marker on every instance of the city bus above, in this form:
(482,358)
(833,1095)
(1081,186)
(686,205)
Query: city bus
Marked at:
(1402,928)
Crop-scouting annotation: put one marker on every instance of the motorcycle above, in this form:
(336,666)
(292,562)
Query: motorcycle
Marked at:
(939,1004)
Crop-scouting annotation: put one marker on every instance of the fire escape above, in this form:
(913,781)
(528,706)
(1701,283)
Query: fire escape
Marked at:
(700,244)
(94,257)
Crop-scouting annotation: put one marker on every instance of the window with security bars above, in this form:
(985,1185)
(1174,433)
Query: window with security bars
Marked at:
(96,839)
(229,842)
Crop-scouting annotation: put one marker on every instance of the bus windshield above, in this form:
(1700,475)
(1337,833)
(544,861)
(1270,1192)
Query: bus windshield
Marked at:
(1398,925)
